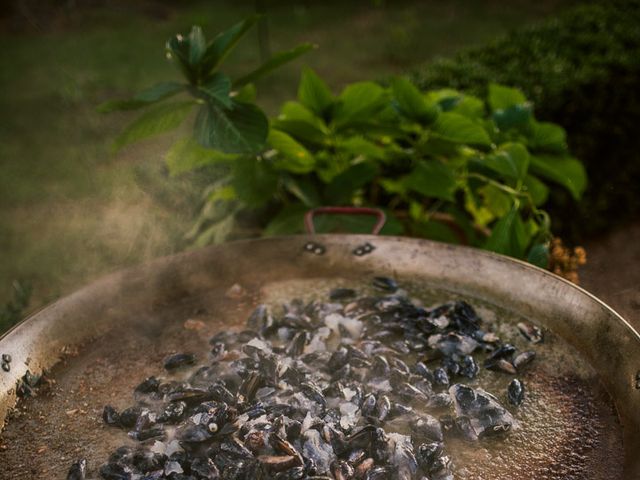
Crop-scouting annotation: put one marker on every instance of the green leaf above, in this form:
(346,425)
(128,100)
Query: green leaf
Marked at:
(254,182)
(508,236)
(359,146)
(539,255)
(564,170)
(432,179)
(301,130)
(289,221)
(224,42)
(149,96)
(496,201)
(457,128)
(178,49)
(197,45)
(513,117)
(446,98)
(304,189)
(313,93)
(243,129)
(501,97)
(218,88)
(539,191)
(293,156)
(548,137)
(158,120)
(186,155)
(359,101)
(511,160)
(277,60)
(344,185)
(301,123)
(469,106)
(411,103)
(246,94)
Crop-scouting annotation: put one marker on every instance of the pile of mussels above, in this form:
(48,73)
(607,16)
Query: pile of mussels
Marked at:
(360,387)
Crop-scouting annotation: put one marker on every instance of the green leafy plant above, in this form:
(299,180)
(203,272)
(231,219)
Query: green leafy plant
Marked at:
(227,119)
(443,164)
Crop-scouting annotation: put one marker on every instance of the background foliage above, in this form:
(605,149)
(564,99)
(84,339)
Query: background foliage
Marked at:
(582,70)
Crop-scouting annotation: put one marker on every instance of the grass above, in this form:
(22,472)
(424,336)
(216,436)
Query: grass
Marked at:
(71,210)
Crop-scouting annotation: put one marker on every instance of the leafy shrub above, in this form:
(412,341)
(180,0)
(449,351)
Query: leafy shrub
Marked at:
(443,164)
(582,70)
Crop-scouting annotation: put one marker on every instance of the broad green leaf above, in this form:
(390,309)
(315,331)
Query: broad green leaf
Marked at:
(304,189)
(218,88)
(187,154)
(359,146)
(457,128)
(539,191)
(254,182)
(197,45)
(297,111)
(411,103)
(548,137)
(446,98)
(160,119)
(178,50)
(158,92)
(246,94)
(539,255)
(301,130)
(343,186)
(567,171)
(495,200)
(243,129)
(501,97)
(393,186)
(293,156)
(513,117)
(469,106)
(289,221)
(359,101)
(511,160)
(432,179)
(224,42)
(508,236)
(299,122)
(313,93)
(274,62)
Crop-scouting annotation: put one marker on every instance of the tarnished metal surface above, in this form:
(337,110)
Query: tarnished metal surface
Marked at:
(127,301)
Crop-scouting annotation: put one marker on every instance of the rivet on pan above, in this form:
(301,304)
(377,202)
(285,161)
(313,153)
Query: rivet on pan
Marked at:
(363,249)
(316,248)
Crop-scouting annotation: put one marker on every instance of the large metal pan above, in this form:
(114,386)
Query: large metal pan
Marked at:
(100,341)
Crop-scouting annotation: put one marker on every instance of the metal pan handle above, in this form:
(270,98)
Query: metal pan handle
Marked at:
(379,214)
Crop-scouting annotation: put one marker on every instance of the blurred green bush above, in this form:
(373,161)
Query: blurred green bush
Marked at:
(582,71)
